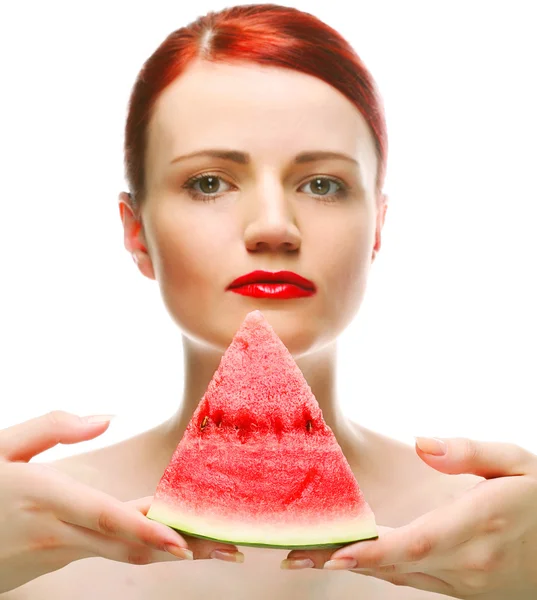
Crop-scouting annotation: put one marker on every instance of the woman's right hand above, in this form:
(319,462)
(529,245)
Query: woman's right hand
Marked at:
(48,519)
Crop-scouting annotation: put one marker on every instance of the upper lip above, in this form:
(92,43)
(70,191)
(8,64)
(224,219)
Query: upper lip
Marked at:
(272,277)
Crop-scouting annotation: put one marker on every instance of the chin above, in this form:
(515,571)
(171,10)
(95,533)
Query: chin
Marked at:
(301,328)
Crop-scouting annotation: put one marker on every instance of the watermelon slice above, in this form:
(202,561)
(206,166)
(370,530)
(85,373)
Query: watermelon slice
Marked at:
(257,464)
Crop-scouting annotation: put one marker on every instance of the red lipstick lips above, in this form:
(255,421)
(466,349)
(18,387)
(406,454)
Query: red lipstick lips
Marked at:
(265,284)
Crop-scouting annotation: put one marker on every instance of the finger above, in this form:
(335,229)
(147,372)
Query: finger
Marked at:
(486,459)
(321,556)
(426,538)
(431,540)
(88,543)
(23,441)
(142,505)
(420,581)
(201,548)
(78,504)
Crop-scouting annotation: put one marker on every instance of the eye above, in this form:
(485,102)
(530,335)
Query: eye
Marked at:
(209,184)
(320,184)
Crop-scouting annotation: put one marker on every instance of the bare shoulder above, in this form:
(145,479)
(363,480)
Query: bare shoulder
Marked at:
(123,470)
(399,486)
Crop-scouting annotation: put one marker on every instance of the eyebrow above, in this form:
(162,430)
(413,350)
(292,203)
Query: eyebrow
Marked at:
(244,158)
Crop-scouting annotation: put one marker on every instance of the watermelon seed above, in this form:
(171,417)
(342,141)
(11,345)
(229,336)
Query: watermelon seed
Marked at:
(308,425)
(204,422)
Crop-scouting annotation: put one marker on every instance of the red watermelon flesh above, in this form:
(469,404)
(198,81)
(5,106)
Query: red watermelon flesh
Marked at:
(257,464)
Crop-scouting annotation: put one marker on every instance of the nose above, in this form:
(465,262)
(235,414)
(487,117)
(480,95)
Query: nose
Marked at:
(273,227)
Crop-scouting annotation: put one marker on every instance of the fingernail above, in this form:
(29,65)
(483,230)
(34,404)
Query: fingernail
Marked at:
(98,418)
(297,563)
(340,563)
(183,553)
(228,555)
(432,446)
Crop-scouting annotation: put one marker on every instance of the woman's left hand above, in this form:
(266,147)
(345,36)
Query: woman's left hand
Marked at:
(481,545)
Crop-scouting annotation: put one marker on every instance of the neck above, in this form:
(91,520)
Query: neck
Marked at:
(318,368)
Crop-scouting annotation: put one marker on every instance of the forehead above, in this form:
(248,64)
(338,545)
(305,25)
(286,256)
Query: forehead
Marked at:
(257,109)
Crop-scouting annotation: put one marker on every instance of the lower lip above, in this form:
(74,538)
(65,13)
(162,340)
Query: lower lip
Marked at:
(282,291)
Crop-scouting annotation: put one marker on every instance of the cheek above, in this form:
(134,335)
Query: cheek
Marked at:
(346,253)
(191,244)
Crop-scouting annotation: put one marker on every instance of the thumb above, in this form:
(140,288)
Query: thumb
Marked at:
(141,504)
(23,441)
(486,459)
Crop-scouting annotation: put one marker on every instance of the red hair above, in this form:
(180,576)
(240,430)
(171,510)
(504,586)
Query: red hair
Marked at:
(266,34)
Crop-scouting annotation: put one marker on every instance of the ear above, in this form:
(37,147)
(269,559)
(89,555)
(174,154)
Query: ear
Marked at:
(134,237)
(382,207)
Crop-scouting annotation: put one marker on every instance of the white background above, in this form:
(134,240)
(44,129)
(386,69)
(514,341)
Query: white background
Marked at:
(445,341)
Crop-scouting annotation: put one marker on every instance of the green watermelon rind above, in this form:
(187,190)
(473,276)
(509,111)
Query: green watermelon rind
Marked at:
(285,547)
(281,531)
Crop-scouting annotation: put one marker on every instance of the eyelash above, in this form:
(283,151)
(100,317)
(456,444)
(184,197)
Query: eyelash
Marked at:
(189,186)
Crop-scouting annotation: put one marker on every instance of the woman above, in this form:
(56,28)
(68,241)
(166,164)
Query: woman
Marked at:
(255,140)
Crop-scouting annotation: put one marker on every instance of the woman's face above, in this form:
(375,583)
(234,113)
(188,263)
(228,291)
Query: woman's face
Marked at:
(264,213)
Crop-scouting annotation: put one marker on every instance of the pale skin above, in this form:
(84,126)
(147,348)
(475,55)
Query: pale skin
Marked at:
(265,216)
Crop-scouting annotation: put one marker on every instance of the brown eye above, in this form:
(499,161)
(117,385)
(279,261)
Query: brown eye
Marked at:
(321,188)
(206,187)
(208,184)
